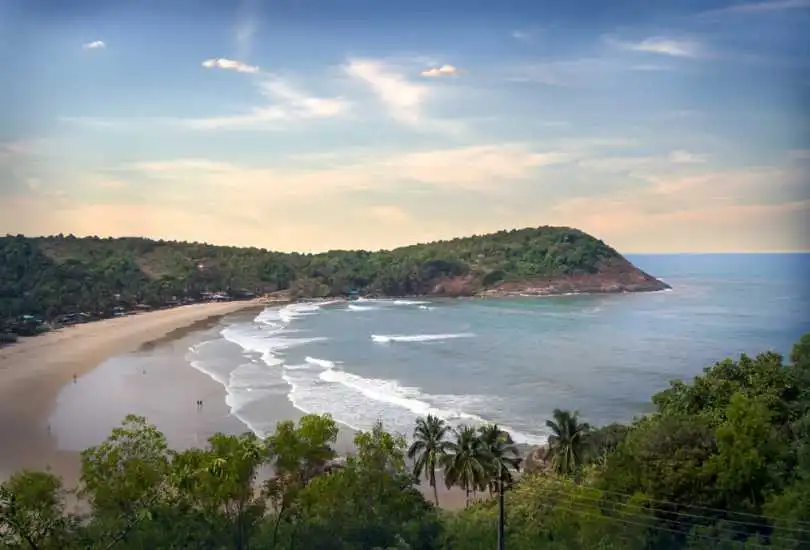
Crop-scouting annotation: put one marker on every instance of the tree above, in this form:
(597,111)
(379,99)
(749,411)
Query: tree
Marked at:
(567,441)
(502,456)
(32,512)
(300,454)
(465,464)
(127,471)
(428,449)
(219,482)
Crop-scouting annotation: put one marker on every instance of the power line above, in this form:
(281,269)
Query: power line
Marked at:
(621,508)
(698,507)
(759,524)
(582,509)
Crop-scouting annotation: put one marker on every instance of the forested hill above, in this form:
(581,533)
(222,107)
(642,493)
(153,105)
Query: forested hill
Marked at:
(48,276)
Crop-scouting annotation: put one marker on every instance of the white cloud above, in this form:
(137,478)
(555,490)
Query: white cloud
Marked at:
(483,168)
(686,157)
(585,71)
(660,45)
(444,70)
(402,98)
(759,7)
(479,167)
(520,35)
(95,45)
(230,65)
(287,103)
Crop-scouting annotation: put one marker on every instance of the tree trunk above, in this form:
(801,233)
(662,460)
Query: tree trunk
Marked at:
(435,487)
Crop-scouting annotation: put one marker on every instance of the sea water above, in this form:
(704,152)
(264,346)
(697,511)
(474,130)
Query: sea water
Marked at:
(508,361)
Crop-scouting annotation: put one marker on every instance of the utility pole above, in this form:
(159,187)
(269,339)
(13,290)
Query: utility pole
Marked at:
(500,506)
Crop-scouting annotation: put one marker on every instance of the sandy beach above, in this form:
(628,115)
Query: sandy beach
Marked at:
(133,364)
(33,371)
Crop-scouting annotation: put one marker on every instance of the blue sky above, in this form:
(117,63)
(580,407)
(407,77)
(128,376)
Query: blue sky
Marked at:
(310,125)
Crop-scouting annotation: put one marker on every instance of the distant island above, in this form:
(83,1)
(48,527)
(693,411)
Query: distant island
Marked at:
(65,279)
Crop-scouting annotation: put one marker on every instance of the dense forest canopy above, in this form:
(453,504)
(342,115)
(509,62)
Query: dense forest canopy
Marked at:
(48,276)
(722,463)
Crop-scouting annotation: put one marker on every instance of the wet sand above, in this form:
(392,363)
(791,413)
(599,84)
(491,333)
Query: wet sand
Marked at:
(132,365)
(33,371)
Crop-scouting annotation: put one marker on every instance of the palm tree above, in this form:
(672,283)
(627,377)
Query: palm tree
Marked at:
(567,443)
(465,462)
(502,455)
(428,449)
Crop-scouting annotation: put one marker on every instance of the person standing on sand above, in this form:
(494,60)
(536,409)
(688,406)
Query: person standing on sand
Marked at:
(74,378)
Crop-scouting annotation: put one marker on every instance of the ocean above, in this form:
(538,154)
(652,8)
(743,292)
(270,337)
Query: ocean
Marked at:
(508,361)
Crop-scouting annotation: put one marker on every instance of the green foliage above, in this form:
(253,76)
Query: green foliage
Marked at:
(49,276)
(567,442)
(428,449)
(723,463)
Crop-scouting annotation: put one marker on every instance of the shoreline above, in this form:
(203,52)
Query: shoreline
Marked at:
(34,370)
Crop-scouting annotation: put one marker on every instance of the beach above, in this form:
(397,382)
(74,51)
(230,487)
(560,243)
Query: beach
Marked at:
(129,365)
(33,371)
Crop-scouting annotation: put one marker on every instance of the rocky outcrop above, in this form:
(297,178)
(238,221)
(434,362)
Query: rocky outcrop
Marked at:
(537,461)
(617,276)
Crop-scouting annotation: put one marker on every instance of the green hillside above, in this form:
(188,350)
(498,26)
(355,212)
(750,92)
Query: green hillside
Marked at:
(49,276)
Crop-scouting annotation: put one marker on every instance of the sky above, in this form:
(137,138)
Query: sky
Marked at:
(312,125)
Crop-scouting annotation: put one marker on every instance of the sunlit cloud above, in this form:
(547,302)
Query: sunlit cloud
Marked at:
(444,70)
(230,65)
(95,45)
(402,98)
(285,103)
(660,45)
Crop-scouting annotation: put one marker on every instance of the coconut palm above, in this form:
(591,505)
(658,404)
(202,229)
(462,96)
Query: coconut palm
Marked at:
(465,462)
(428,449)
(567,443)
(502,455)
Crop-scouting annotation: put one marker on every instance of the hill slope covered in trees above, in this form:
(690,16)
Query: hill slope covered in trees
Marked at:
(48,276)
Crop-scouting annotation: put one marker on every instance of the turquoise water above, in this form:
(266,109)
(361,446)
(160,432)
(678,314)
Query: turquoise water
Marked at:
(510,361)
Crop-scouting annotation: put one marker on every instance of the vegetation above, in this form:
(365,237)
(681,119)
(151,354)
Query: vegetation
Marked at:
(722,463)
(53,276)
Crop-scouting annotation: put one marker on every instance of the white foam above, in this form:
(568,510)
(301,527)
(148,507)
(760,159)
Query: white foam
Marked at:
(386,338)
(321,385)
(425,307)
(266,336)
(323,363)
(409,302)
(359,402)
(353,307)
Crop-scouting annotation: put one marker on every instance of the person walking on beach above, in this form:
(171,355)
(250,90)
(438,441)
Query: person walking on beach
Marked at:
(74,378)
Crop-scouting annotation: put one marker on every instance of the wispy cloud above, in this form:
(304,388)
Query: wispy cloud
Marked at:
(95,45)
(685,157)
(483,168)
(660,45)
(230,65)
(444,70)
(760,7)
(585,71)
(287,103)
(402,98)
